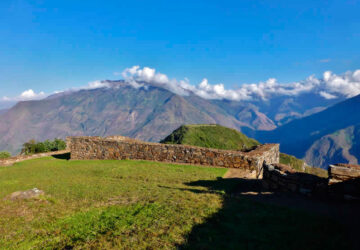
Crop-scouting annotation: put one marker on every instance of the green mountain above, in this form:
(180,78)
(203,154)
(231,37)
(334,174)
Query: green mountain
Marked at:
(210,136)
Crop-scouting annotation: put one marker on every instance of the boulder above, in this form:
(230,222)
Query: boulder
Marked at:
(25,195)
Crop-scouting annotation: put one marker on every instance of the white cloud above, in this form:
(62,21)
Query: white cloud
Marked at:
(30,94)
(138,77)
(327,95)
(326,60)
(25,96)
(329,87)
(97,85)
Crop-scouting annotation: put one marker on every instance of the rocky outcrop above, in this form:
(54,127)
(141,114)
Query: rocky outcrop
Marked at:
(125,148)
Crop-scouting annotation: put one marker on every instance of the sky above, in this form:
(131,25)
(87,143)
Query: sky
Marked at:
(48,46)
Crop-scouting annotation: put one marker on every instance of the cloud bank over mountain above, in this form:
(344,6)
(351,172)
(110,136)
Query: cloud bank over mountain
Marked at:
(330,86)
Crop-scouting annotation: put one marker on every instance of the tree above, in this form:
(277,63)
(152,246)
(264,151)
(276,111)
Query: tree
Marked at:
(4,155)
(33,147)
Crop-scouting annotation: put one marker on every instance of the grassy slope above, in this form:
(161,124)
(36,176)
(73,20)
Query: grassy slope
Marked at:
(215,136)
(138,204)
(300,165)
(210,136)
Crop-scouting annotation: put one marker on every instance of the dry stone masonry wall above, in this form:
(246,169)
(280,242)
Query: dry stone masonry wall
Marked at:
(343,181)
(284,178)
(117,147)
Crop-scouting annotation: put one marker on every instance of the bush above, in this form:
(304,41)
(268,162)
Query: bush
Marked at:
(33,147)
(4,155)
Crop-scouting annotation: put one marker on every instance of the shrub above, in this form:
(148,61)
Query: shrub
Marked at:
(4,155)
(33,147)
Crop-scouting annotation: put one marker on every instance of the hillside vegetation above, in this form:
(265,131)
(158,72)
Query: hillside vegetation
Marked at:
(146,205)
(34,147)
(210,136)
(4,155)
(301,166)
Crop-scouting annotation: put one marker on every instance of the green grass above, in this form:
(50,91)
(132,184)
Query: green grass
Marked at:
(292,161)
(300,165)
(146,205)
(210,136)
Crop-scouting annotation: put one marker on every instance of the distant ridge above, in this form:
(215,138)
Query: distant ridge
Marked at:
(2,111)
(327,137)
(210,136)
(147,114)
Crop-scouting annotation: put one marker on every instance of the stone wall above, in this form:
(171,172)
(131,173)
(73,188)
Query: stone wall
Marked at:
(283,178)
(10,161)
(125,148)
(344,181)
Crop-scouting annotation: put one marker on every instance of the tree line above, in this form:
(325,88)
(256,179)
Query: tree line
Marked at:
(34,147)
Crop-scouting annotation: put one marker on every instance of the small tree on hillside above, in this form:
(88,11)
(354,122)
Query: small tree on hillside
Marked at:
(28,147)
(33,147)
(59,144)
(4,155)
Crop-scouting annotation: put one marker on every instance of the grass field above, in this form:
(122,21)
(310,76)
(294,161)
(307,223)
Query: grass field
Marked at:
(138,205)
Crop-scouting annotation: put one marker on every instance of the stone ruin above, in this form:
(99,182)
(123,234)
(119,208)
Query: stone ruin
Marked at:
(119,147)
(262,161)
(343,181)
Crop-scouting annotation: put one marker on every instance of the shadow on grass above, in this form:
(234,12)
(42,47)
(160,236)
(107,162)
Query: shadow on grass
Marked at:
(243,223)
(65,156)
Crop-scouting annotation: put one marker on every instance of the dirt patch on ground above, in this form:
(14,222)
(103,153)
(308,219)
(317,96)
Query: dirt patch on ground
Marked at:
(239,173)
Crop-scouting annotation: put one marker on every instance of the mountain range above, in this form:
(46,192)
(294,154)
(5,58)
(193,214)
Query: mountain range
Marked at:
(149,113)
(329,136)
(303,124)
(2,111)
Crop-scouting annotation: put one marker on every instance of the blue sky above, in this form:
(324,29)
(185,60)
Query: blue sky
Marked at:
(55,45)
